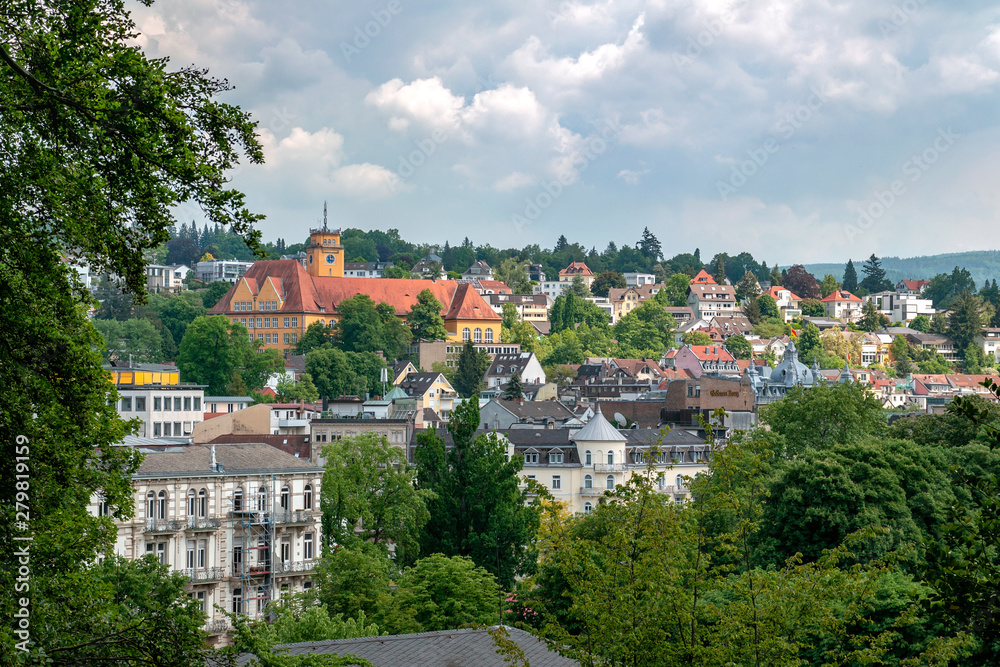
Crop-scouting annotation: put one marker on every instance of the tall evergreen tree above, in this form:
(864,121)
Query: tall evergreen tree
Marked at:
(966,320)
(561,244)
(850,281)
(513,390)
(874,280)
(775,276)
(472,366)
(649,245)
(720,269)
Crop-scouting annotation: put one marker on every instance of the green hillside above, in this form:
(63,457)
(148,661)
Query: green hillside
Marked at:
(982,264)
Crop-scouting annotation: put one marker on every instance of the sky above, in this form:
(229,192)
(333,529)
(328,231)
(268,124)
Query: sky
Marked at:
(798,131)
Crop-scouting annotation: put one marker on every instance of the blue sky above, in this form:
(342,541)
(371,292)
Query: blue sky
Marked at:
(798,131)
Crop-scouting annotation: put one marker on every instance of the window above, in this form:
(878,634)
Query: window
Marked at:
(588,482)
(465,334)
(489,335)
(200,597)
(238,500)
(237,560)
(167,428)
(531,457)
(177,428)
(103,509)
(295,338)
(177,403)
(286,552)
(126,404)
(556,482)
(156,404)
(202,503)
(260,336)
(678,482)
(587,508)
(187,403)
(140,403)
(307,497)
(610,482)
(477,335)
(192,504)
(307,546)
(150,505)
(285,337)
(161,505)
(167,403)
(189,563)
(197,402)
(285,322)
(238,601)
(611,458)
(587,458)
(262,499)
(259,323)
(285,498)
(295,323)
(555,457)
(267,322)
(161,552)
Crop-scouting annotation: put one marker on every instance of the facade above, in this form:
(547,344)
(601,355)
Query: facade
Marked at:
(701,359)
(530,307)
(504,367)
(912,286)
(153,393)
(241,522)
(499,414)
(396,432)
(228,270)
(842,305)
(479,270)
(166,278)
(789,304)
(990,341)
(263,418)
(277,300)
(901,306)
(432,390)
(942,344)
(639,279)
(427,353)
(623,301)
(364,269)
(552,288)
(577,269)
(708,300)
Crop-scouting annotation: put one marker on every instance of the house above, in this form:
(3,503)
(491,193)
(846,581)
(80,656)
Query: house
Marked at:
(529,307)
(643,370)
(942,344)
(365,269)
(703,278)
(240,522)
(789,304)
(989,339)
(912,286)
(428,353)
(154,394)
(400,370)
(428,269)
(842,305)
(681,314)
(479,270)
(901,306)
(701,359)
(277,300)
(432,391)
(824,323)
(638,279)
(577,269)
(499,414)
(536,273)
(228,270)
(220,405)
(708,300)
(733,326)
(166,278)
(396,430)
(260,419)
(623,301)
(505,366)
(486,287)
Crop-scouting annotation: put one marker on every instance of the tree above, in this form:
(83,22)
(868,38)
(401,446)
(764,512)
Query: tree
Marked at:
(809,343)
(850,281)
(513,391)
(290,391)
(752,312)
(768,306)
(369,496)
(647,328)
(316,335)
(218,353)
(354,580)
(133,340)
(800,281)
(776,277)
(182,251)
(442,593)
(176,311)
(508,316)
(845,346)
(739,347)
(605,281)
(871,319)
(425,318)
(720,269)
(675,289)
(874,280)
(115,303)
(478,509)
(812,308)
(211,295)
(579,288)
(747,289)
(298,619)
(363,326)
(966,320)
(828,286)
(944,289)
(697,338)
(649,245)
(514,274)
(472,366)
(395,272)
(900,351)
(921,323)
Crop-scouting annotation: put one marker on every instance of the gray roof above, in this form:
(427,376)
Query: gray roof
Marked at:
(195,460)
(537,410)
(599,429)
(417,384)
(446,648)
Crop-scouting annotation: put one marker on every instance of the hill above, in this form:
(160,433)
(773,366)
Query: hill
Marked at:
(982,264)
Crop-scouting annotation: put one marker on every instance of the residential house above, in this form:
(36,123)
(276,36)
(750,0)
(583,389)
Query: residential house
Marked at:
(989,339)
(428,353)
(166,278)
(682,314)
(703,278)
(643,370)
(433,391)
(505,366)
(912,286)
(499,414)
(365,269)
(901,306)
(623,301)
(228,270)
(428,269)
(241,522)
(263,418)
(789,304)
(708,300)
(702,359)
(575,269)
(737,325)
(530,307)
(479,270)
(154,394)
(536,273)
(220,405)
(942,344)
(842,305)
(633,279)
(396,430)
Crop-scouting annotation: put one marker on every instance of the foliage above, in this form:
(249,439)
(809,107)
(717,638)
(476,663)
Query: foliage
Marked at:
(813,308)
(921,323)
(801,282)
(871,319)
(747,289)
(254,645)
(809,343)
(514,274)
(478,509)
(291,391)
(874,280)
(135,340)
(739,347)
(569,310)
(649,245)
(850,281)
(425,318)
(945,288)
(175,312)
(471,369)
(697,338)
(338,373)
(966,320)
(844,345)
(828,286)
(675,290)
(316,335)
(509,316)
(212,294)
(605,281)
(354,580)
(298,619)
(646,331)
(513,391)
(363,326)
(768,306)
(395,272)
(219,353)
(441,593)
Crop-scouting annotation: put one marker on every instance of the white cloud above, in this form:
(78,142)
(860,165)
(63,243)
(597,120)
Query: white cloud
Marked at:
(513,181)
(631,176)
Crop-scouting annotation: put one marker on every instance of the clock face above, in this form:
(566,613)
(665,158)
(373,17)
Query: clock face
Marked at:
(330,259)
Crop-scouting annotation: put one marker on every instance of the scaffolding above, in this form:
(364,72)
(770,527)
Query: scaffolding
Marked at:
(253,543)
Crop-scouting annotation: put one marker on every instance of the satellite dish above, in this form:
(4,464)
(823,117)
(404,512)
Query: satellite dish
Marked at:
(620,418)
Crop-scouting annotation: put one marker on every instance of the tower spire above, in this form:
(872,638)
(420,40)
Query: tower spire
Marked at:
(325,228)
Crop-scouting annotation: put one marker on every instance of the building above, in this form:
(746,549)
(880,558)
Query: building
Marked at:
(901,306)
(428,353)
(842,305)
(701,359)
(737,325)
(575,269)
(395,430)
(536,273)
(623,301)
(433,392)
(707,300)
(639,279)
(220,405)
(789,304)
(228,270)
(154,394)
(499,414)
(771,385)
(261,419)
(937,342)
(530,307)
(166,278)
(479,270)
(277,300)
(240,522)
(912,286)
(505,366)
(989,339)
(363,269)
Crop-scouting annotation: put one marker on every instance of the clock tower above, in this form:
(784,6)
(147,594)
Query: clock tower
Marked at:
(325,254)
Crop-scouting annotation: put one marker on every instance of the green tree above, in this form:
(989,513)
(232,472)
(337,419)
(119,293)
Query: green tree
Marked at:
(513,391)
(648,327)
(442,593)
(471,369)
(874,280)
(675,289)
(828,286)
(739,347)
(134,340)
(316,335)
(697,338)
(176,311)
(747,289)
(813,308)
(354,580)
(776,277)
(514,274)
(578,288)
(605,281)
(809,343)
(290,391)
(900,351)
(768,306)
(966,320)
(364,326)
(649,245)
(720,269)
(115,303)
(921,323)
(752,312)
(871,319)
(850,281)
(219,353)
(945,288)
(369,495)
(212,294)
(298,619)
(566,349)
(425,318)
(509,316)
(395,272)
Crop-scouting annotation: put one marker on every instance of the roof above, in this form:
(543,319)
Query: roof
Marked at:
(445,648)
(509,363)
(290,444)
(737,323)
(704,277)
(773,293)
(417,384)
(576,269)
(236,459)
(841,295)
(711,290)
(711,352)
(537,410)
(599,429)
(914,285)
(467,304)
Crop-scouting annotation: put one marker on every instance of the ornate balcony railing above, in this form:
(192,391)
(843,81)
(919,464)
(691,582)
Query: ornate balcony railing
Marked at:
(591,491)
(163,525)
(609,467)
(202,523)
(290,567)
(205,574)
(217,627)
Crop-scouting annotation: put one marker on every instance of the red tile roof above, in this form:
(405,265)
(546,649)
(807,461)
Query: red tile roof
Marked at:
(915,285)
(576,269)
(841,295)
(711,353)
(773,292)
(704,277)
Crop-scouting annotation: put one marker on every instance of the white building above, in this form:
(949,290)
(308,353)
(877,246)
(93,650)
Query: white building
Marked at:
(708,300)
(241,522)
(166,278)
(901,306)
(229,270)
(639,279)
(153,394)
(365,269)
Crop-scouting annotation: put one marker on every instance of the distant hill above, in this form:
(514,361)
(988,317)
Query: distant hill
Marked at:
(982,264)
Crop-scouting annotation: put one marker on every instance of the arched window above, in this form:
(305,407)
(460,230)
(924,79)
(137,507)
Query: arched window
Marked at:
(477,335)
(238,592)
(661,482)
(202,503)
(679,482)
(587,508)
(588,482)
(262,499)
(307,496)
(238,500)
(588,459)
(286,496)
(465,334)
(611,458)
(192,502)
(161,505)
(150,505)
(489,335)
(611,482)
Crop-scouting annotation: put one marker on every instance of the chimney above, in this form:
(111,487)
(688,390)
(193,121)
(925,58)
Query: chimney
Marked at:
(214,462)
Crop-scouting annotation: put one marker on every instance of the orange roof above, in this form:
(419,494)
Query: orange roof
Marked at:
(915,285)
(466,304)
(252,284)
(499,286)
(576,269)
(711,353)
(704,277)
(773,292)
(841,295)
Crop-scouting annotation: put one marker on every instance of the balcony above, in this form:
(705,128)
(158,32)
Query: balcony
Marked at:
(202,523)
(293,567)
(294,517)
(163,526)
(257,570)
(670,489)
(592,491)
(217,627)
(205,574)
(293,423)
(609,467)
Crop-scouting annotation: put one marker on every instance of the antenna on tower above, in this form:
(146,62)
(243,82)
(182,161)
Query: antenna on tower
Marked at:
(324,217)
